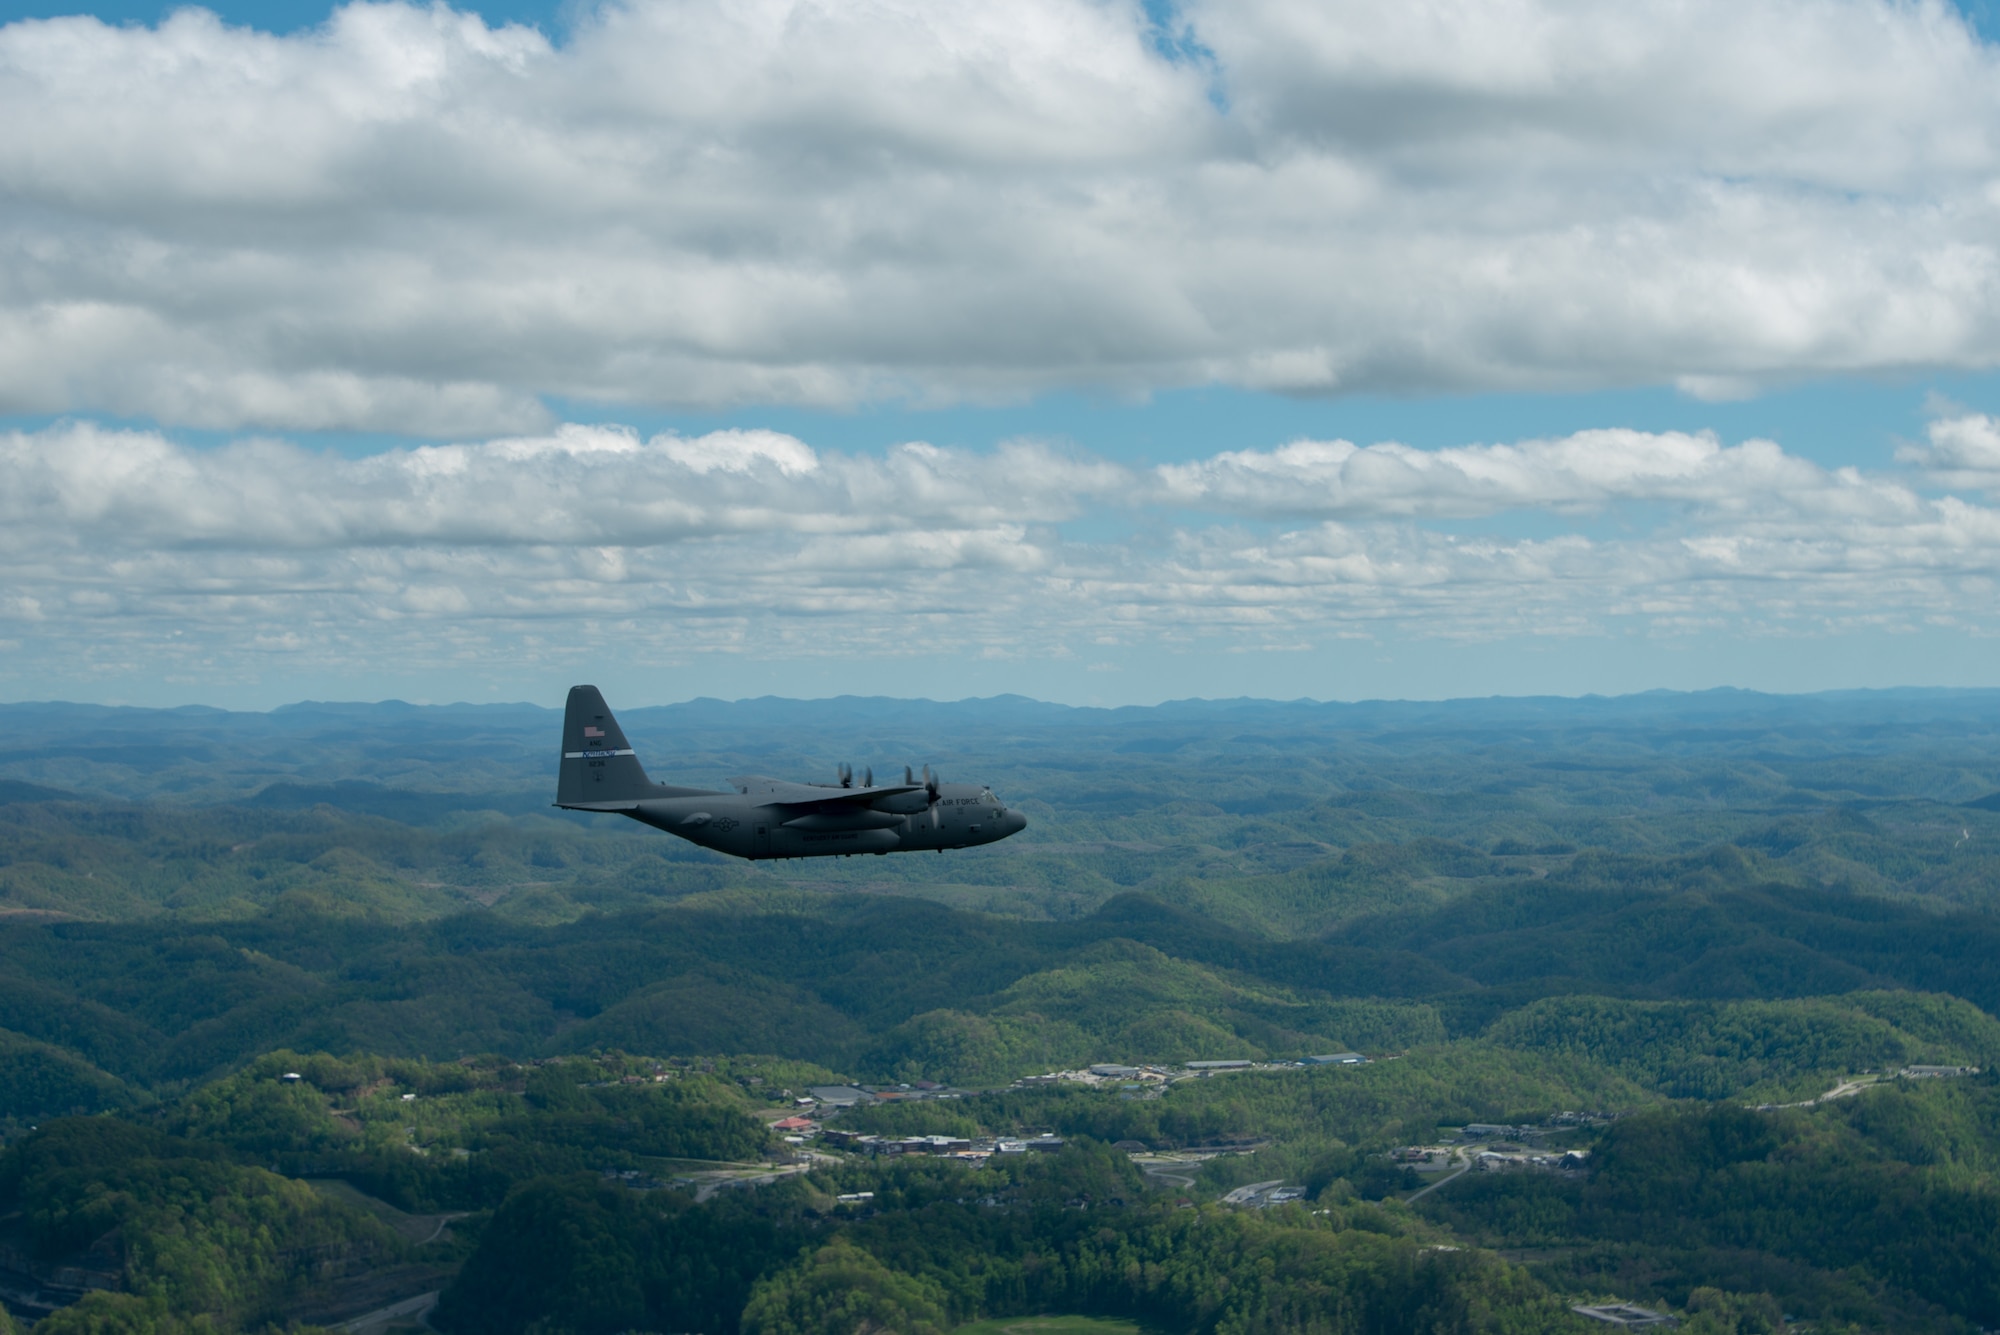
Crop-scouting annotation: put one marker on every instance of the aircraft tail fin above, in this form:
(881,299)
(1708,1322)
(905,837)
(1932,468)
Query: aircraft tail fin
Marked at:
(598,766)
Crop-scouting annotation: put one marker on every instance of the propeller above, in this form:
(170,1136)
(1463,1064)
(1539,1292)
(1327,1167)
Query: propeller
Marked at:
(868,777)
(931,792)
(846,775)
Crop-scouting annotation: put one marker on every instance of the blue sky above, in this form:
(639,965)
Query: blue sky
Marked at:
(709,349)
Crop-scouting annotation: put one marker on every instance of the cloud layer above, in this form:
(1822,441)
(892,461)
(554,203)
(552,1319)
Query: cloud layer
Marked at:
(409,222)
(520,549)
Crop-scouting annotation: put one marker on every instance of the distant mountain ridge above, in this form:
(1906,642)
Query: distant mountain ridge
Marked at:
(1284,818)
(202,754)
(1723,700)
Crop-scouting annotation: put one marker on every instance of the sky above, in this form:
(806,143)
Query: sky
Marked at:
(1099,352)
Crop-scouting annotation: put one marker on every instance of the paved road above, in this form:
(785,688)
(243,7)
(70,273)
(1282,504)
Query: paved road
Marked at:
(1180,1172)
(444,1221)
(1844,1089)
(1184,1181)
(709,1188)
(1242,1195)
(368,1323)
(1464,1168)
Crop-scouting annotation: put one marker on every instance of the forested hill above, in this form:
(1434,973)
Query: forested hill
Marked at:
(888,987)
(1208,877)
(1281,819)
(1656,909)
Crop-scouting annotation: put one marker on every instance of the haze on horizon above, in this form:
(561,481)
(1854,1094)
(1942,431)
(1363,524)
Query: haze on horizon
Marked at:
(1098,352)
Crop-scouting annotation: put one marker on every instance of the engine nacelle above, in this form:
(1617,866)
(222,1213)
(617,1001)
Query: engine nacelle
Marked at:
(904,804)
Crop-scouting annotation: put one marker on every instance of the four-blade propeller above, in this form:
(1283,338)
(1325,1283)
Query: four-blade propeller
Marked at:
(931,782)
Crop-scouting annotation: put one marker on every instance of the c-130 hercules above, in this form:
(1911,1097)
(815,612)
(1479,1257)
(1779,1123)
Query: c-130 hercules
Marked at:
(769,818)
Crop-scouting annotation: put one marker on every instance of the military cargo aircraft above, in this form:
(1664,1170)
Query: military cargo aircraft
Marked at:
(770,818)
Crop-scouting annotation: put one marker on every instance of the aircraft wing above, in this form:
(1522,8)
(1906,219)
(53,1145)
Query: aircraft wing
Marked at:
(777,792)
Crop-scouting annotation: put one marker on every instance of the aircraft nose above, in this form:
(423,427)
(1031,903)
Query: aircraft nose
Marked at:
(1015,822)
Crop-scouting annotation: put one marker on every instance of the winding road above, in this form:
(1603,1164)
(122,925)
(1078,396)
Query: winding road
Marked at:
(1463,1168)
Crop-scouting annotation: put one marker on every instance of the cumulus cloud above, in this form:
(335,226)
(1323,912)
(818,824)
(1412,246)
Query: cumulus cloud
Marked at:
(745,541)
(580,486)
(1586,470)
(1964,451)
(409,221)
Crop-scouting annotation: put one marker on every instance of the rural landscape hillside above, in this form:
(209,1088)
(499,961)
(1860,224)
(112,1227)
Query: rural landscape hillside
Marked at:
(309,1014)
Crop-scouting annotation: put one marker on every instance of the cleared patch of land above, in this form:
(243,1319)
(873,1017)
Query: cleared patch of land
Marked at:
(1049,1325)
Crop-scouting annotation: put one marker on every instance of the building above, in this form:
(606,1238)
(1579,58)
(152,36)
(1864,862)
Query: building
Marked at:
(795,1124)
(926,1145)
(1235,1065)
(839,1096)
(1334,1059)
(1936,1072)
(1491,1131)
(1624,1314)
(1113,1071)
(856,1140)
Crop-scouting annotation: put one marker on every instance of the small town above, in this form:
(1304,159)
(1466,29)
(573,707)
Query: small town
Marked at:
(822,1104)
(1482,1147)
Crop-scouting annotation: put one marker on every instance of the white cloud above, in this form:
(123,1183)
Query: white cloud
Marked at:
(407,221)
(1964,451)
(743,452)
(579,487)
(1582,471)
(116,545)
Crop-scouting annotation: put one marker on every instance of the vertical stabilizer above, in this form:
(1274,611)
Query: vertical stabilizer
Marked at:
(598,766)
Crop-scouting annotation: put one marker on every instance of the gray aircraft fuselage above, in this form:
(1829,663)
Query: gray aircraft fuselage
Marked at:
(770,818)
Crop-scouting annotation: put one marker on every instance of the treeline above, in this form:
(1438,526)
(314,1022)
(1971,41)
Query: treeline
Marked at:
(1882,1209)
(471,1131)
(1283,820)
(1757,1049)
(939,1244)
(42,1080)
(183,1229)
(1707,925)
(890,988)
(197,1215)
(345,851)
(195,1210)
(1378,1105)
(1875,1212)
